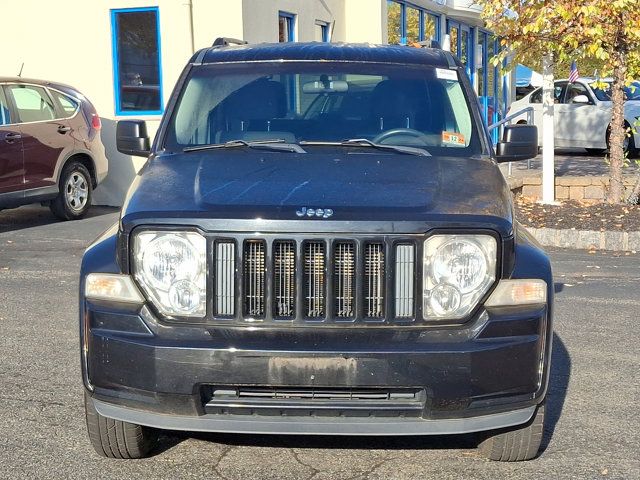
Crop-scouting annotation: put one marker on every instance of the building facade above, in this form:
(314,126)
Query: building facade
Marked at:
(126,55)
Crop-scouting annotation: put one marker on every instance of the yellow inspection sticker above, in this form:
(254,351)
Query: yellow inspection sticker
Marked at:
(453,138)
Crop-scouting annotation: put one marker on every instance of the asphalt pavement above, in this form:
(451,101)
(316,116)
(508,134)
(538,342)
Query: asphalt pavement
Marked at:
(593,430)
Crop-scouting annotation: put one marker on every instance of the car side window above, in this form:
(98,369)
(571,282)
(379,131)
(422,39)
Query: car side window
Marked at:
(5,114)
(536,97)
(558,89)
(574,90)
(33,103)
(558,92)
(69,105)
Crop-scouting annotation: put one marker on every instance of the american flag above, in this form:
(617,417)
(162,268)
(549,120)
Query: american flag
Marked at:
(573,73)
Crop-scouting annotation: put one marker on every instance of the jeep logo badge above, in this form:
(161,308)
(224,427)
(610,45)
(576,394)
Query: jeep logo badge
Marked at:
(314,212)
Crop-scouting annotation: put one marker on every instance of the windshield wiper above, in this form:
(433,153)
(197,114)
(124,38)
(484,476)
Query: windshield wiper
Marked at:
(363,142)
(275,144)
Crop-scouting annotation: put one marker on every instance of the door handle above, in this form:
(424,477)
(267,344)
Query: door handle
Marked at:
(12,137)
(63,129)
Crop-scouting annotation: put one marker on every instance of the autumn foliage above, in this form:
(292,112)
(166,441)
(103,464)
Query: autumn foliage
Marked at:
(605,30)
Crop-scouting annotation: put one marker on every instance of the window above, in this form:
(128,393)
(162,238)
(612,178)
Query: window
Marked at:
(322,32)
(5,114)
(407,24)
(574,90)
(394,23)
(68,105)
(137,69)
(536,97)
(413,25)
(431,26)
(323,102)
(286,26)
(33,103)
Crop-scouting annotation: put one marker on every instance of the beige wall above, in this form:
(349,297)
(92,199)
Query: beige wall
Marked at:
(260,18)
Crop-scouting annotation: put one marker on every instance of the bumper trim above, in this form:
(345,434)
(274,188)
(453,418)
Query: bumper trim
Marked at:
(314,425)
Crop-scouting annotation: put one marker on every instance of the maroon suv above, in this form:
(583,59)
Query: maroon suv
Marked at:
(50,147)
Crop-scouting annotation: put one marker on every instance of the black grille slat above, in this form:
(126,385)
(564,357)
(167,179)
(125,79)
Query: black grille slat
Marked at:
(314,279)
(254,261)
(344,271)
(284,279)
(374,280)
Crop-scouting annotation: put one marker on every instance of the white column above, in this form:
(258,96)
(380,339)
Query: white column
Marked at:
(548,160)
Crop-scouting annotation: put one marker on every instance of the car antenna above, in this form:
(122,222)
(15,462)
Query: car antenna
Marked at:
(20,72)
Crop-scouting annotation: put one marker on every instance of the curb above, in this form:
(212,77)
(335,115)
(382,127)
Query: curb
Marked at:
(587,239)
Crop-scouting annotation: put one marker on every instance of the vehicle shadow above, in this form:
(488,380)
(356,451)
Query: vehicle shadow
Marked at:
(558,385)
(36,216)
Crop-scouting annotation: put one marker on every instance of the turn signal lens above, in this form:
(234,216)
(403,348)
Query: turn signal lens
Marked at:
(113,287)
(518,292)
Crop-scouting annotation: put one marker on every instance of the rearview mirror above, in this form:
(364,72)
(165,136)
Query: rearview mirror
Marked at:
(132,138)
(519,142)
(330,86)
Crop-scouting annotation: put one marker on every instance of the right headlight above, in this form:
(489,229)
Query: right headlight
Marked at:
(458,270)
(171,269)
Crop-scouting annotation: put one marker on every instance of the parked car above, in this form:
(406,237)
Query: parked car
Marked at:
(582,114)
(50,147)
(293,259)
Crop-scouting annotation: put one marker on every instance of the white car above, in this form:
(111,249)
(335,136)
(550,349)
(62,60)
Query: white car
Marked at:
(582,114)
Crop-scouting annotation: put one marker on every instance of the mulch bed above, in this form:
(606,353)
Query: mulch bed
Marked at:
(576,215)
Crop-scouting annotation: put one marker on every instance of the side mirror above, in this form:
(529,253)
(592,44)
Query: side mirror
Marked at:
(132,138)
(519,142)
(580,99)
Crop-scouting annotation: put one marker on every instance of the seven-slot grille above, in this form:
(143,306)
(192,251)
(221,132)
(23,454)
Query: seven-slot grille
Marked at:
(315,280)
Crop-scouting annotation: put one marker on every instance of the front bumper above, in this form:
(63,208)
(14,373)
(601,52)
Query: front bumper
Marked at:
(489,373)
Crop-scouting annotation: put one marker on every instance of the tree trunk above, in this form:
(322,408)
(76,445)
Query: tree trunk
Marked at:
(618,130)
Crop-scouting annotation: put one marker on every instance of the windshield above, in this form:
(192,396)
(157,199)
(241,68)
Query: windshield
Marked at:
(324,103)
(632,92)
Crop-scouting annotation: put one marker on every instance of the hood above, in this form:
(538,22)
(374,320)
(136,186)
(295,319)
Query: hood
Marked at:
(249,185)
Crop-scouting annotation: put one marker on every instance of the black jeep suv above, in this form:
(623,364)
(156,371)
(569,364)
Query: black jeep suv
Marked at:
(321,243)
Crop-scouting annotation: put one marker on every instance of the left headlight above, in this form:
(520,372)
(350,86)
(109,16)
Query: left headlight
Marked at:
(171,269)
(458,271)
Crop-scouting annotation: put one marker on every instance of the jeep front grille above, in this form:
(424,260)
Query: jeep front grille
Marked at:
(310,280)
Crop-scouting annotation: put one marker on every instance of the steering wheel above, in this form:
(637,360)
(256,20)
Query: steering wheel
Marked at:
(398,132)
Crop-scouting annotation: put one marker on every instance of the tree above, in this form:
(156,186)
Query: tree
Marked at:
(604,31)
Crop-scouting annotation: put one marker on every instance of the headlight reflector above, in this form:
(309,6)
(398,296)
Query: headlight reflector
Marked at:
(171,269)
(458,271)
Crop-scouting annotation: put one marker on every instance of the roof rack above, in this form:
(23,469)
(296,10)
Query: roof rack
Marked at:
(225,41)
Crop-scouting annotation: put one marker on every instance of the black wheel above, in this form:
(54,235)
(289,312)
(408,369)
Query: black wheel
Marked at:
(75,189)
(517,443)
(116,439)
(629,143)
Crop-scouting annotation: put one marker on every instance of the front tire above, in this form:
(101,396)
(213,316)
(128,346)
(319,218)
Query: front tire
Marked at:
(517,443)
(116,439)
(75,191)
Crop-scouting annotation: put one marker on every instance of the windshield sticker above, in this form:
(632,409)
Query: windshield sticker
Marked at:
(453,138)
(444,74)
